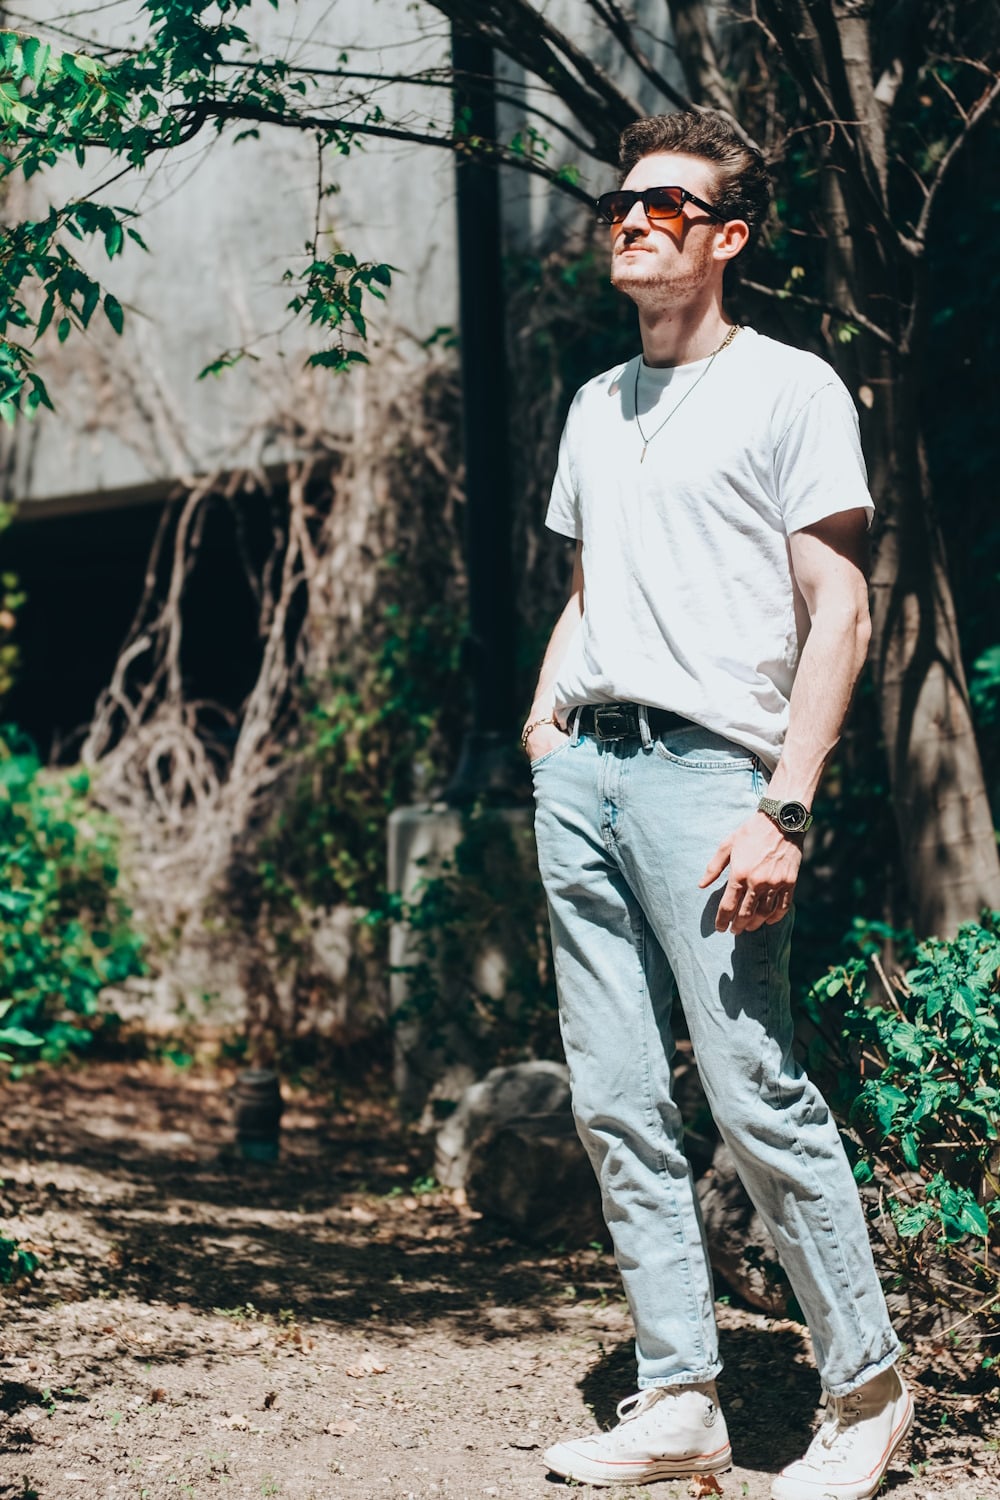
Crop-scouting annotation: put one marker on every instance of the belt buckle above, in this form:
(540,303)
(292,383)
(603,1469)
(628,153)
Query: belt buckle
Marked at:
(615,721)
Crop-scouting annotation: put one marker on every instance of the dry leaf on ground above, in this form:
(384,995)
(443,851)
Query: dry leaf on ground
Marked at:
(704,1484)
(368,1364)
(344,1428)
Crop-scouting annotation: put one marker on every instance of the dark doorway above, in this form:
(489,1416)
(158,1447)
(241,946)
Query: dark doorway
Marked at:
(83,573)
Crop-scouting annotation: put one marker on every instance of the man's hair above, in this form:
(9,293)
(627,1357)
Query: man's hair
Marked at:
(742,184)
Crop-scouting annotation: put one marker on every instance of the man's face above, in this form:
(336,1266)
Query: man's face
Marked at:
(666,264)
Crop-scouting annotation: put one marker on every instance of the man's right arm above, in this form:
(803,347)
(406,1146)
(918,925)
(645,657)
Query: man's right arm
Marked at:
(550,736)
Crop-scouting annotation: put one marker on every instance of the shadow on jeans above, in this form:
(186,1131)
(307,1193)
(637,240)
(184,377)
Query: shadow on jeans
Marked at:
(768,1394)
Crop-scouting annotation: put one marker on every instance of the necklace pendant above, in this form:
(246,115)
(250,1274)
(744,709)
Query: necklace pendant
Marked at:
(643,453)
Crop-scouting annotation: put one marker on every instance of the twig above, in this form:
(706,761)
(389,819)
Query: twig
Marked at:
(845,314)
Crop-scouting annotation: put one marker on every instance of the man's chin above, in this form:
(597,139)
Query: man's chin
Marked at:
(631,276)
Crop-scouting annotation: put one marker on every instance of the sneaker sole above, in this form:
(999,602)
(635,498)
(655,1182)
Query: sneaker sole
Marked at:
(568,1465)
(830,1490)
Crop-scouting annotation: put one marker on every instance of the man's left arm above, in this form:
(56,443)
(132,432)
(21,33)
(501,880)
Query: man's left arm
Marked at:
(829,566)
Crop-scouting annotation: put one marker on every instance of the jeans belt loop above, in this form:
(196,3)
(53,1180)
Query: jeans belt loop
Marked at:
(644,731)
(575,715)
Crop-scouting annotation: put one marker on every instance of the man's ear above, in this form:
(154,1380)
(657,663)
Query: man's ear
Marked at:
(731,238)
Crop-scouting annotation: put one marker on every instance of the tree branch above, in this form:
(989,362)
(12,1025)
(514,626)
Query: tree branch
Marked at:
(221,109)
(528,38)
(614,18)
(844,146)
(975,117)
(845,314)
(699,58)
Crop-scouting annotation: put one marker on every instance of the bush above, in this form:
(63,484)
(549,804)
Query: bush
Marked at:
(64,932)
(921,1097)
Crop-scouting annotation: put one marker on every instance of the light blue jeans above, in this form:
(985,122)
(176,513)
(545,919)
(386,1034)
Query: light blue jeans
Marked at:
(624,835)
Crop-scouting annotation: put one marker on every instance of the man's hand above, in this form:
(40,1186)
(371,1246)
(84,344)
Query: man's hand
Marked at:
(763,868)
(543,739)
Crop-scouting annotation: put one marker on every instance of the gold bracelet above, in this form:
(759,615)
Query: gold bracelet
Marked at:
(535,724)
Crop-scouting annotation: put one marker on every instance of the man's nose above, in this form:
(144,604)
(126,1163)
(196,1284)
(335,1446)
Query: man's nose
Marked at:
(636,218)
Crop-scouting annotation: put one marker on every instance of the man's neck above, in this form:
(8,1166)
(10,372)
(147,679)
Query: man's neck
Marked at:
(681,335)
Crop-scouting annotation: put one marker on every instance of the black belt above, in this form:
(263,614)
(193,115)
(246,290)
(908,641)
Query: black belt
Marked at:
(620,721)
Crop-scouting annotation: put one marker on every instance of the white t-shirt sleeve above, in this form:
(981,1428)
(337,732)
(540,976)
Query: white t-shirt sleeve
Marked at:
(819,468)
(563,514)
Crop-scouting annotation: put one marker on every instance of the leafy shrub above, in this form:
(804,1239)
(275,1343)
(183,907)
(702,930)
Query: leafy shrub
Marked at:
(923,1103)
(366,745)
(64,933)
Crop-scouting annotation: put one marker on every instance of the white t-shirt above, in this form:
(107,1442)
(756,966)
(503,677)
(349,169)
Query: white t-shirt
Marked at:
(689,602)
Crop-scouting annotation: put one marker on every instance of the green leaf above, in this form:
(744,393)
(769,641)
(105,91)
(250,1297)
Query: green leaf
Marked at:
(113,312)
(36,55)
(885,1101)
(16,1036)
(114,238)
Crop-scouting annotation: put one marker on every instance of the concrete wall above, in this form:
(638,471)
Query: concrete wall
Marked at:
(224,220)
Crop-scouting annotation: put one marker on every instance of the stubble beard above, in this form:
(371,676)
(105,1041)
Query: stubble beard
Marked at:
(655,289)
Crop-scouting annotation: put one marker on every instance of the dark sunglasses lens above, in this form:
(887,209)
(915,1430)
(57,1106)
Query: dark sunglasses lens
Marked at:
(613,207)
(664,203)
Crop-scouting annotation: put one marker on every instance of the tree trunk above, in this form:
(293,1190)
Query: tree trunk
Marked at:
(942,810)
(947,842)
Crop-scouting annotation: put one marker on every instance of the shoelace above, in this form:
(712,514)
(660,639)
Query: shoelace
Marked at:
(839,1427)
(634,1406)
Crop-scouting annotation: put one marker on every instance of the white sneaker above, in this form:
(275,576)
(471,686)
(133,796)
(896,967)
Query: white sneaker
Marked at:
(853,1448)
(666,1432)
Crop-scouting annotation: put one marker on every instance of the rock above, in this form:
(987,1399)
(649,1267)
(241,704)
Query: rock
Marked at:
(739,1245)
(529,1088)
(533,1174)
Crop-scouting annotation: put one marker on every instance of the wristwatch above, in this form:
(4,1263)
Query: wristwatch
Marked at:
(791,817)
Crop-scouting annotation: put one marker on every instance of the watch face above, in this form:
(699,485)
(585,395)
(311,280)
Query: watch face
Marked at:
(792,816)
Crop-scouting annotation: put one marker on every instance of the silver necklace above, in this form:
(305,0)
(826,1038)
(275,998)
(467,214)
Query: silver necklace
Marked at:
(689,392)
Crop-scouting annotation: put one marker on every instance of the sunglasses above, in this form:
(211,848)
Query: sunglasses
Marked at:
(657,202)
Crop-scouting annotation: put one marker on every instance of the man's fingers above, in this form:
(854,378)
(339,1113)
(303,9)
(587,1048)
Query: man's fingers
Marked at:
(747,913)
(744,908)
(716,864)
(736,901)
(779,910)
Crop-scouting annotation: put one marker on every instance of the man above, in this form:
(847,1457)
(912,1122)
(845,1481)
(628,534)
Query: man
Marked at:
(691,692)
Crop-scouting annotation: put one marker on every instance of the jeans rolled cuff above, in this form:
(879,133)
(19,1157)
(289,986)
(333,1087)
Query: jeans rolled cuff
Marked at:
(845,1387)
(696,1377)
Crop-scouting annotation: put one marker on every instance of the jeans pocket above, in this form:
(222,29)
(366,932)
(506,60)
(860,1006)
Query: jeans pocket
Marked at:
(697,749)
(543,760)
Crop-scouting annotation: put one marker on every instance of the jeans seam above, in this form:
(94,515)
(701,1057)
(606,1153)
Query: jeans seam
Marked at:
(804,1157)
(640,931)
(720,767)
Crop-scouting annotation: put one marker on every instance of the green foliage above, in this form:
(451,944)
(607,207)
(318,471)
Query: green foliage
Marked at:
(924,1096)
(365,747)
(332,295)
(15,1263)
(55,104)
(194,67)
(64,934)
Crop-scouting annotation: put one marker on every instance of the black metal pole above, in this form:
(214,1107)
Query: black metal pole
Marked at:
(489,764)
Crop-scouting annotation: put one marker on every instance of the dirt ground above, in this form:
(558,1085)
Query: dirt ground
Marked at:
(333,1328)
